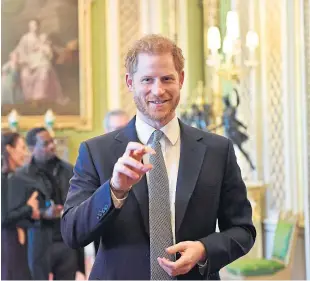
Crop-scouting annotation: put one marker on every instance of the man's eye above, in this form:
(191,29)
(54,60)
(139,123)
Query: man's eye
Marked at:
(168,79)
(146,80)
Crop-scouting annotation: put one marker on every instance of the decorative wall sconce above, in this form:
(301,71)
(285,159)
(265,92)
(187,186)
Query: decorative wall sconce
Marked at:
(49,119)
(13,119)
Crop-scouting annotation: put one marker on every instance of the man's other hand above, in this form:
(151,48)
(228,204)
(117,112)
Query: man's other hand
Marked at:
(191,252)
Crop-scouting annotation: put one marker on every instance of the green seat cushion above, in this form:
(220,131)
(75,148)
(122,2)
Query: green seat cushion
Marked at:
(282,241)
(254,267)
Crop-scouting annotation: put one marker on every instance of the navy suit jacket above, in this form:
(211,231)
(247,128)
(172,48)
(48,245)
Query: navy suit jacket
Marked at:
(209,188)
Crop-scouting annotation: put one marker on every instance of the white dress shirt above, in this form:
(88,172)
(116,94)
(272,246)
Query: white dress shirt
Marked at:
(171,146)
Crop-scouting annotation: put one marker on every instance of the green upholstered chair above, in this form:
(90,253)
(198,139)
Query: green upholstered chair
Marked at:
(279,266)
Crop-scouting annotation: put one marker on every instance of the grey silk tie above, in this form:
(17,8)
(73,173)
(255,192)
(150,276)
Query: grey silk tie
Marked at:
(159,210)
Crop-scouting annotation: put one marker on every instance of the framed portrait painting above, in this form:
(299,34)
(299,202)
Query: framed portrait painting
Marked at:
(46,62)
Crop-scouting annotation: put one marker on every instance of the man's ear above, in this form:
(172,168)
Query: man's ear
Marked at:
(129,82)
(9,148)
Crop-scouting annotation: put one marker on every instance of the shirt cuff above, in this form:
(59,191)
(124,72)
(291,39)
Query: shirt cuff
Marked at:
(118,203)
(202,266)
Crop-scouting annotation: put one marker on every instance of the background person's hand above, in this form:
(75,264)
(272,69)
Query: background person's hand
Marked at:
(129,169)
(57,210)
(191,252)
(53,212)
(36,215)
(33,202)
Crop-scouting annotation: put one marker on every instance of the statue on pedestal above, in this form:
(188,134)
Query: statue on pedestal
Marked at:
(232,126)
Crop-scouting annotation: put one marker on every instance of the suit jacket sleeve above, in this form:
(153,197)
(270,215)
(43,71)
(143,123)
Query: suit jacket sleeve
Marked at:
(18,212)
(237,233)
(88,209)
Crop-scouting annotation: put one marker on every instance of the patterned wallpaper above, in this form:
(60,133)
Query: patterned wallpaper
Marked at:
(274,108)
(129,28)
(245,112)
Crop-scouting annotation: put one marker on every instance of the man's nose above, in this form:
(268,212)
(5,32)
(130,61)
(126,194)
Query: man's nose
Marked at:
(52,146)
(158,88)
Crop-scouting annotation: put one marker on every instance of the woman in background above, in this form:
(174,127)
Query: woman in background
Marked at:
(14,264)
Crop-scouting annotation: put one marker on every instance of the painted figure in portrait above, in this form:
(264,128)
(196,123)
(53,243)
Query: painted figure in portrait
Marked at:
(40,57)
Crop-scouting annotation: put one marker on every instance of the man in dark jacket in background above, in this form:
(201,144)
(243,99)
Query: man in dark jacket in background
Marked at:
(50,176)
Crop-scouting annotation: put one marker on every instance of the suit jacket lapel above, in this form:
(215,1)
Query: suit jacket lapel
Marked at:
(191,159)
(139,190)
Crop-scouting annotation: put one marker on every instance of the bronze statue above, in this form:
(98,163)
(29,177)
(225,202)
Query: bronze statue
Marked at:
(232,126)
(198,117)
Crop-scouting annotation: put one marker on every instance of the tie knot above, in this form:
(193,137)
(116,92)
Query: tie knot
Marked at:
(156,136)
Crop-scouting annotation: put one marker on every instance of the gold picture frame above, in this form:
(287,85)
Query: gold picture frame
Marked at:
(83,120)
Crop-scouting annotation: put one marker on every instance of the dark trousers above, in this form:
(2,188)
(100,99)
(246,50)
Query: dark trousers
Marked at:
(14,265)
(46,257)
(64,262)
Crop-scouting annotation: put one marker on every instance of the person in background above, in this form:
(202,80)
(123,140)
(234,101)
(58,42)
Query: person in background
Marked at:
(49,176)
(154,191)
(114,120)
(14,265)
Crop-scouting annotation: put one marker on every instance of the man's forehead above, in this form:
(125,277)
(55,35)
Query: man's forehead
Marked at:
(151,60)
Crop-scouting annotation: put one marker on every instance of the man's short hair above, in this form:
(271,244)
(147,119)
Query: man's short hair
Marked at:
(153,44)
(31,137)
(116,112)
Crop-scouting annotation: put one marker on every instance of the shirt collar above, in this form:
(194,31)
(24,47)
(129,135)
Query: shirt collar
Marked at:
(171,130)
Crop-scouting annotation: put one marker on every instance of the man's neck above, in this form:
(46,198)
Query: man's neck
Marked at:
(153,123)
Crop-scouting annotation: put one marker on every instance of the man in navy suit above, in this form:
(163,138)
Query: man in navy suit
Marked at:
(109,192)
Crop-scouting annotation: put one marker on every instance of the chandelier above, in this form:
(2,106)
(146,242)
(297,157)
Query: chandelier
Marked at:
(231,45)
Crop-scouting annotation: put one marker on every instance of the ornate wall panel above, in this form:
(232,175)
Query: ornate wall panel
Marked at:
(245,112)
(307,45)
(211,12)
(274,106)
(129,30)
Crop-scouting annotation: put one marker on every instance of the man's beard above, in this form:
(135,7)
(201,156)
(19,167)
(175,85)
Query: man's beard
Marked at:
(45,158)
(142,106)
